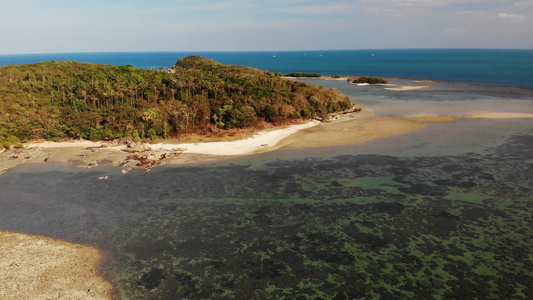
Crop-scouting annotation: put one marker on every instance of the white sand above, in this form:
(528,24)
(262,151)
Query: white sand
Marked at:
(408,88)
(249,145)
(257,142)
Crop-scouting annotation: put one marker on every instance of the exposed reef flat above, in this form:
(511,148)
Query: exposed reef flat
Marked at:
(36,267)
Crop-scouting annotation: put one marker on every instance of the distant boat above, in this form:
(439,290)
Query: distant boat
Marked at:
(373,54)
(273,55)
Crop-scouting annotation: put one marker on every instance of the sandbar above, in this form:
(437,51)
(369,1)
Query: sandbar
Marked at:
(431,118)
(402,88)
(350,132)
(497,115)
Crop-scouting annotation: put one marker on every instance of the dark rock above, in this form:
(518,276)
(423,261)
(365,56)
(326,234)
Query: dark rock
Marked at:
(152,279)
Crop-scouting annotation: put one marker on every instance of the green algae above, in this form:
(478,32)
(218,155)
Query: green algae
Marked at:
(347,227)
(329,236)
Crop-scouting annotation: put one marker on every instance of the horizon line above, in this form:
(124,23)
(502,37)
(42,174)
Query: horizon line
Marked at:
(257,51)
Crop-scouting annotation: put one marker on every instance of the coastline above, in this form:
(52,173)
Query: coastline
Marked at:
(344,129)
(259,141)
(89,154)
(422,80)
(37,267)
(388,86)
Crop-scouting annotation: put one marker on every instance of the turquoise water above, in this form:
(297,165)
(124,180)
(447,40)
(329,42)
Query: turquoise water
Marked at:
(505,67)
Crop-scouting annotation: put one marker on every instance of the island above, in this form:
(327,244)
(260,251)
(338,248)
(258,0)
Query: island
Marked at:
(69,100)
(196,111)
(369,80)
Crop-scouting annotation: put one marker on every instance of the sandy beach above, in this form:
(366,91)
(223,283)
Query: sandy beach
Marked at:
(261,140)
(352,128)
(36,267)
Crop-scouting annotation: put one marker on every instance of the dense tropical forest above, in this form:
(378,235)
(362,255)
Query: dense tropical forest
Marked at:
(63,100)
(303,74)
(370,80)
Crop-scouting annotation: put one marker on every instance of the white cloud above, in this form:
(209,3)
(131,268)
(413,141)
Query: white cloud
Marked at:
(510,16)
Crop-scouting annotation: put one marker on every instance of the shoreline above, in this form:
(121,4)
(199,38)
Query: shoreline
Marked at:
(388,86)
(422,80)
(255,143)
(345,129)
(146,156)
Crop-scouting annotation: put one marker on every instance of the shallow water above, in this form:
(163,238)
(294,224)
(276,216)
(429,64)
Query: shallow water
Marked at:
(440,98)
(444,212)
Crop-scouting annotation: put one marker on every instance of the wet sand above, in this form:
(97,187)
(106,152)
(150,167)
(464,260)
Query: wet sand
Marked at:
(36,267)
(345,129)
(350,132)
(350,129)
(430,118)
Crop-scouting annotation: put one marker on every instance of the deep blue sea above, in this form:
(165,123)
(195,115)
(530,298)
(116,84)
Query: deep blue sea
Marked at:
(494,66)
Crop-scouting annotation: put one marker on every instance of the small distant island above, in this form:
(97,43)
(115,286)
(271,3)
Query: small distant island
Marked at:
(61,100)
(357,80)
(303,75)
(369,80)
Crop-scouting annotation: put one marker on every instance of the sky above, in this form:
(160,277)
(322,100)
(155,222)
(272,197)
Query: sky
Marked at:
(56,26)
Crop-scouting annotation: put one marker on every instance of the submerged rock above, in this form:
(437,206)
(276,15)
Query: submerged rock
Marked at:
(152,279)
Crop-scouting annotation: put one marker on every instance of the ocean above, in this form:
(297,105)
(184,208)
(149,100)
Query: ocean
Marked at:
(493,66)
(444,212)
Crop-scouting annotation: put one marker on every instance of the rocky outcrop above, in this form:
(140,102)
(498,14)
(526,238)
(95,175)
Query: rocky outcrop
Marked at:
(149,160)
(136,147)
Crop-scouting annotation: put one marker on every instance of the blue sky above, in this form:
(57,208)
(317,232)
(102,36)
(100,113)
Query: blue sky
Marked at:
(45,26)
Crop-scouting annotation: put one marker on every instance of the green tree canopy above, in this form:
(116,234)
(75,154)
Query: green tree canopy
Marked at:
(59,100)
